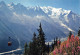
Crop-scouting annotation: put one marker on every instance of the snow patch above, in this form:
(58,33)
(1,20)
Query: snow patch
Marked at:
(66,27)
(11,51)
(55,11)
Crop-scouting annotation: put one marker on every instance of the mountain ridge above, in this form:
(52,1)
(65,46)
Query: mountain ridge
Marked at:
(24,21)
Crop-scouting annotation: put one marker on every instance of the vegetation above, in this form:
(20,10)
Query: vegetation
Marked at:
(71,46)
(37,46)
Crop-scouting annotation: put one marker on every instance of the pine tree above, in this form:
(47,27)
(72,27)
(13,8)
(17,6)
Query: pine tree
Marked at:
(34,38)
(41,40)
(26,49)
(30,48)
(70,33)
(59,41)
(35,45)
(48,48)
(52,46)
(79,32)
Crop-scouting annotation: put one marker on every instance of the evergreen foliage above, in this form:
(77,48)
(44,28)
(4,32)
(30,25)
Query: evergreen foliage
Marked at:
(41,40)
(26,49)
(48,48)
(30,48)
(37,46)
(52,46)
(79,32)
(34,45)
(70,33)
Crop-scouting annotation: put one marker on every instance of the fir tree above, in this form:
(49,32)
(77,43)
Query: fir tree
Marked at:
(30,48)
(47,49)
(26,49)
(52,46)
(59,41)
(41,40)
(34,37)
(35,45)
(79,32)
(70,33)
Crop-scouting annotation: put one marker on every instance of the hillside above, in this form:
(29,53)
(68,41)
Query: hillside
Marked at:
(19,23)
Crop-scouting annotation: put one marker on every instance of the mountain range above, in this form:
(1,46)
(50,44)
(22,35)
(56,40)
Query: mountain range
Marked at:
(20,22)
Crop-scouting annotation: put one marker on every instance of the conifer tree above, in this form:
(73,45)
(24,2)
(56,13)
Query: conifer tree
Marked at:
(52,46)
(26,49)
(79,32)
(70,33)
(34,38)
(41,40)
(35,45)
(48,48)
(30,48)
(59,41)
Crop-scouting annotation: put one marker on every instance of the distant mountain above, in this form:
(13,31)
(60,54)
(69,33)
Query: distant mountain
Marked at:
(20,22)
(65,18)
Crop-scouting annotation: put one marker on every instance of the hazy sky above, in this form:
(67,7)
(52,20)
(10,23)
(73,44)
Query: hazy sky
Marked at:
(73,5)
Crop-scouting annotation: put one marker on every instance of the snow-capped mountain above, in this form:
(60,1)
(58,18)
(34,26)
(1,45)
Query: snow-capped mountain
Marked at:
(20,22)
(65,18)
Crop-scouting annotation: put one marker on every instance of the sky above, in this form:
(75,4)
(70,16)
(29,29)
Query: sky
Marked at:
(73,5)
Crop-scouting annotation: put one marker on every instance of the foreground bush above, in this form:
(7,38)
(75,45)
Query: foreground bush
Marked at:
(69,47)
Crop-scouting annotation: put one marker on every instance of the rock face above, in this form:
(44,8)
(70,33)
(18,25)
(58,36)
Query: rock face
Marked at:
(20,22)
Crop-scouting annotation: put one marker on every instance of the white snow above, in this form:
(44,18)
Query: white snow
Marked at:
(55,11)
(66,27)
(11,51)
